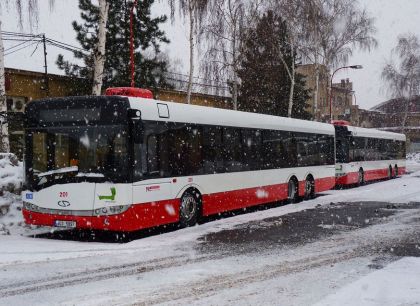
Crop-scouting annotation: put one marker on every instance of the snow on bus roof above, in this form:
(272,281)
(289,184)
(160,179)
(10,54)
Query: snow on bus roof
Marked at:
(185,113)
(364,132)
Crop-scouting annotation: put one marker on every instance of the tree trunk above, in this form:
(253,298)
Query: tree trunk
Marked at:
(99,53)
(235,75)
(404,122)
(292,83)
(316,90)
(190,78)
(292,92)
(5,147)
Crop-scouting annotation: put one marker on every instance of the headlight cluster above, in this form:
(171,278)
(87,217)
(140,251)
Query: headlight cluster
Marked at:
(113,210)
(31,207)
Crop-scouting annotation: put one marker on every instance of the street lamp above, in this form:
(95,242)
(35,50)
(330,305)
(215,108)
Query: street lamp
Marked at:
(331,85)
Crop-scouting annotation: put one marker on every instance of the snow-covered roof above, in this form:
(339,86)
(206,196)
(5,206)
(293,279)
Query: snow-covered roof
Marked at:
(363,132)
(179,112)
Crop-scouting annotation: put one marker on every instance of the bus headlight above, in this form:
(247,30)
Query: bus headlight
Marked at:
(31,207)
(112,210)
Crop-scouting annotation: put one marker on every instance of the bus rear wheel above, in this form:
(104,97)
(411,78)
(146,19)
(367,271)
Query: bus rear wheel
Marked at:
(309,188)
(189,209)
(292,191)
(361,179)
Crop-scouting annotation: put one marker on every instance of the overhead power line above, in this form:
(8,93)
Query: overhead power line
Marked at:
(27,40)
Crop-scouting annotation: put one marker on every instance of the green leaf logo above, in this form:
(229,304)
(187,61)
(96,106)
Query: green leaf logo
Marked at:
(109,197)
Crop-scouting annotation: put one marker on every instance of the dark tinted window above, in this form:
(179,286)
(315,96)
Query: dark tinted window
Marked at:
(232,150)
(177,149)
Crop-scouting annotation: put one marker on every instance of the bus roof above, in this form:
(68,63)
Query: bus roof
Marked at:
(178,112)
(373,133)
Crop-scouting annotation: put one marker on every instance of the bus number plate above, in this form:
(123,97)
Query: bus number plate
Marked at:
(66,224)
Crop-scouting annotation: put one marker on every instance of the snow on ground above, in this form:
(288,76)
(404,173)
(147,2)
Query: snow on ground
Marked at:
(396,284)
(27,259)
(402,190)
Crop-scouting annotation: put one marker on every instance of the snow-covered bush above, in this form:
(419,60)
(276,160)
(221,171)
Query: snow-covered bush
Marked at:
(11,219)
(414,157)
(11,173)
(11,180)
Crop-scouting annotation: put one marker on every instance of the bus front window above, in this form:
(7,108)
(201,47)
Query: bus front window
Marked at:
(82,152)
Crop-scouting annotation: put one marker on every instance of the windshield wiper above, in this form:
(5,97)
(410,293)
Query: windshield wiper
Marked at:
(60,170)
(90,174)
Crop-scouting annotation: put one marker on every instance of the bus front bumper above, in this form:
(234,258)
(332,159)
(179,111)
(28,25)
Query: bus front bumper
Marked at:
(137,217)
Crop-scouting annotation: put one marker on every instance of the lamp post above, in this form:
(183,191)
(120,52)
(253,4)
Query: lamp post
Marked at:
(332,78)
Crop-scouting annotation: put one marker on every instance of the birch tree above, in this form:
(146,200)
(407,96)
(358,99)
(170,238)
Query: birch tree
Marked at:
(223,31)
(99,51)
(3,105)
(402,77)
(195,10)
(289,9)
(31,8)
(337,28)
(326,32)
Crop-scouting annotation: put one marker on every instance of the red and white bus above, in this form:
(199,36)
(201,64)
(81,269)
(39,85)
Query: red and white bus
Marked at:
(126,163)
(367,154)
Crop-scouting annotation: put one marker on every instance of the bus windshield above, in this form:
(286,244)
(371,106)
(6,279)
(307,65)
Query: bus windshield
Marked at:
(74,154)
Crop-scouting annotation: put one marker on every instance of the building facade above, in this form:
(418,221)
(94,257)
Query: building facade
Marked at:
(400,116)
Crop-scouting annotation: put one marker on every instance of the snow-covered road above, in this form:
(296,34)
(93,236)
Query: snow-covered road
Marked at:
(316,251)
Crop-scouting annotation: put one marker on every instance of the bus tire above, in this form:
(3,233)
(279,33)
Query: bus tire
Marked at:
(309,188)
(292,191)
(396,171)
(361,179)
(190,208)
(390,173)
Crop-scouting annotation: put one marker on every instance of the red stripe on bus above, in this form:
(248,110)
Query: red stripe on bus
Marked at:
(146,215)
(237,199)
(370,175)
(324,184)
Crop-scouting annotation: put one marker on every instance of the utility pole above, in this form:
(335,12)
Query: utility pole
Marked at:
(46,83)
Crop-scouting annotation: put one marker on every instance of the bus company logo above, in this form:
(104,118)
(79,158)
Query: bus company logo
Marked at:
(63,203)
(29,196)
(152,188)
(110,197)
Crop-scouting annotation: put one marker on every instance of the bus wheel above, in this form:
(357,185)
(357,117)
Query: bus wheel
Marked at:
(292,193)
(390,174)
(189,209)
(396,171)
(361,180)
(309,188)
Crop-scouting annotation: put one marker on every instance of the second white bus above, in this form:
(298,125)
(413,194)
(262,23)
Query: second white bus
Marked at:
(368,154)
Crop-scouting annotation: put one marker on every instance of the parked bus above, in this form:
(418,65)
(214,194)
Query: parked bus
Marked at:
(367,154)
(126,163)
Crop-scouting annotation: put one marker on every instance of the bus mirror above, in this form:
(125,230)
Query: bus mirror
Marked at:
(134,114)
(138,131)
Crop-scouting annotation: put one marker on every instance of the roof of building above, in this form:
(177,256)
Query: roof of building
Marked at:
(397,106)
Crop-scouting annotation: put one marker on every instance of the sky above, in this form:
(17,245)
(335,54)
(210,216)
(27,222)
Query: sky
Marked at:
(392,18)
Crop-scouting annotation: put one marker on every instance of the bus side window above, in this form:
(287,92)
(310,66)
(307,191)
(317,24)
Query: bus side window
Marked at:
(232,150)
(152,155)
(253,153)
(212,148)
